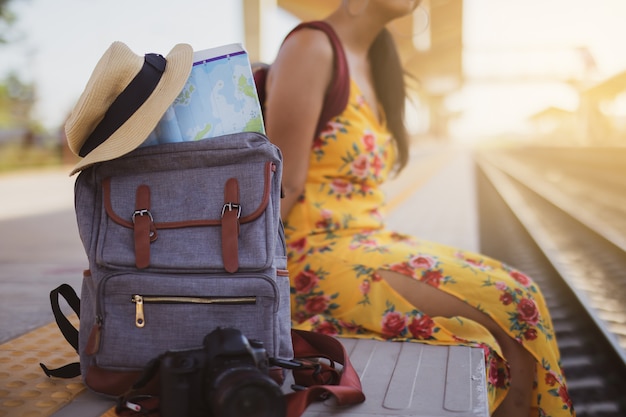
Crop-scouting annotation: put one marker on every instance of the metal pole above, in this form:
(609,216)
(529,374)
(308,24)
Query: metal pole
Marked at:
(254,19)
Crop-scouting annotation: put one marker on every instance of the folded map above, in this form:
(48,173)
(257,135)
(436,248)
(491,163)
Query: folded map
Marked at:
(219,98)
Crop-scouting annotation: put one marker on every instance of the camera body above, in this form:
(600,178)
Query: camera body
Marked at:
(227,377)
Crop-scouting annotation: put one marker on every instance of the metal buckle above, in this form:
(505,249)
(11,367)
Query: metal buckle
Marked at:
(143,212)
(231,207)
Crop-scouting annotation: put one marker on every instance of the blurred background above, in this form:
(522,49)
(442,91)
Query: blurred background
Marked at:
(487,71)
(517,113)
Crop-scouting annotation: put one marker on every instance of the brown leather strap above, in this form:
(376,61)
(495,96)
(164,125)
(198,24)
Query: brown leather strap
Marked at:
(231,212)
(251,216)
(143,225)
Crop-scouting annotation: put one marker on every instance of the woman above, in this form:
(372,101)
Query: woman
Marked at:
(350,275)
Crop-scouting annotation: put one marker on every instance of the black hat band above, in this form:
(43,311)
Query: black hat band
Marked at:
(127,103)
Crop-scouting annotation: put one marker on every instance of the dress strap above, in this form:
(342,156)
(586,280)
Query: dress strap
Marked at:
(336,98)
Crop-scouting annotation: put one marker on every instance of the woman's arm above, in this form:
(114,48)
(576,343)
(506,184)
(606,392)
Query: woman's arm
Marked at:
(296,85)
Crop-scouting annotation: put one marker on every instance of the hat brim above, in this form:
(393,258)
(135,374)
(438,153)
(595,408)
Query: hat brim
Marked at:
(139,126)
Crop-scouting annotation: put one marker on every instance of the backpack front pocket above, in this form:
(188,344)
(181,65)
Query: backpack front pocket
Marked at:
(143,315)
(148,220)
(141,300)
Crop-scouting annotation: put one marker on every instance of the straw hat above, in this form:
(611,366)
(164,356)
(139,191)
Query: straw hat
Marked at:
(133,92)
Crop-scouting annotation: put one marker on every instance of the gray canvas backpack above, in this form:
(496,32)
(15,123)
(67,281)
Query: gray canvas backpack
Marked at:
(181,238)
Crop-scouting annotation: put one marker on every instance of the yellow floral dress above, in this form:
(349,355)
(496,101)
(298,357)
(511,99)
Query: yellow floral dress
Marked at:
(336,241)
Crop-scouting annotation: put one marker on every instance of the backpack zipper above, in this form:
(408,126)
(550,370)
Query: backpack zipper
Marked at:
(140,300)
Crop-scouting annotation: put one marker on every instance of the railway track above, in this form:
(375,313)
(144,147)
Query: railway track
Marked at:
(564,223)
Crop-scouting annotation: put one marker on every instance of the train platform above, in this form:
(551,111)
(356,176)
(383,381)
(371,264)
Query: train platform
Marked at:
(434,198)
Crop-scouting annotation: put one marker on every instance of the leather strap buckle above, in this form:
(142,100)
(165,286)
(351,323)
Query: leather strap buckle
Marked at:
(231,207)
(145,212)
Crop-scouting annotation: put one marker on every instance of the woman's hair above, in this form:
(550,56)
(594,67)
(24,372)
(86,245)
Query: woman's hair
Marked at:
(391,90)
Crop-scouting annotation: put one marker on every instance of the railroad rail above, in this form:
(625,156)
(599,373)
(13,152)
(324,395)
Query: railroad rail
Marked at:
(560,215)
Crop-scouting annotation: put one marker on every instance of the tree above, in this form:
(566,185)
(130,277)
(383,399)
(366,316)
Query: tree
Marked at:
(16,101)
(16,97)
(6,19)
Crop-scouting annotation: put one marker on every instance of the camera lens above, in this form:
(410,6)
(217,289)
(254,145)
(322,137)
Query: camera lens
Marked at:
(247,393)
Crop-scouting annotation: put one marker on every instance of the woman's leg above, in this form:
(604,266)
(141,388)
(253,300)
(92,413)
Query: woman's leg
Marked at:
(434,302)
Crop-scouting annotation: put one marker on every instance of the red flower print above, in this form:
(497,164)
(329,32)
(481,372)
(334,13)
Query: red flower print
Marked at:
(365,189)
(486,349)
(377,165)
(506,298)
(474,262)
(298,245)
(393,324)
(551,379)
(500,285)
(530,334)
(521,278)
(326,328)
(305,281)
(432,277)
(330,128)
(360,166)
(399,237)
(318,143)
(503,376)
(323,224)
(497,375)
(369,243)
(376,214)
(351,327)
(565,396)
(528,312)
(365,287)
(300,317)
(422,327)
(422,261)
(402,268)
(341,187)
(376,277)
(369,141)
(317,304)
(326,219)
(493,373)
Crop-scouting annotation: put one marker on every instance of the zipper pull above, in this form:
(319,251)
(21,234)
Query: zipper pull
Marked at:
(139,317)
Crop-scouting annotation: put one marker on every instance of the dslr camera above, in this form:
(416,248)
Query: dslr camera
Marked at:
(227,377)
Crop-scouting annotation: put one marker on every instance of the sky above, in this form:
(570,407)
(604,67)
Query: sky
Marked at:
(59,42)
(517,53)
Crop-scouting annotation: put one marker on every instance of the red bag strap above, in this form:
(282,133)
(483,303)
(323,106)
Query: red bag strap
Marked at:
(314,345)
(336,98)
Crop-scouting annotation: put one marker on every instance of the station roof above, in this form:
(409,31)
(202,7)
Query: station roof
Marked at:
(607,89)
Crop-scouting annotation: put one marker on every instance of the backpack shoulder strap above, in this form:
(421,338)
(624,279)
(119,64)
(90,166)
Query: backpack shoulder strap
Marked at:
(67,329)
(336,98)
